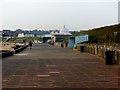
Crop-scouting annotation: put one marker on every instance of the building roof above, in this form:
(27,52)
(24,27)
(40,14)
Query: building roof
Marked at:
(65,31)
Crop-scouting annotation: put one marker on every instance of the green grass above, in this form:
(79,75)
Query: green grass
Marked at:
(2,39)
(103,34)
(26,39)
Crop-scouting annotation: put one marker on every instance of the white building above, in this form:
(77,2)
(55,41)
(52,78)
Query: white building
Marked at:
(29,35)
(61,35)
(64,31)
(21,35)
(25,35)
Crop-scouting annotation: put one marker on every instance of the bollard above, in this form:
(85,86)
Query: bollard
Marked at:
(116,61)
(66,44)
(96,50)
(103,52)
(88,49)
(110,57)
(63,45)
(85,48)
(93,50)
(78,47)
(118,57)
(100,51)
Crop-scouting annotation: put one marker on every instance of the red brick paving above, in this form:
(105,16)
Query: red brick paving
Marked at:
(51,67)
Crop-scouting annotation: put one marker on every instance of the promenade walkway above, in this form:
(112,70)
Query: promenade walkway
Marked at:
(47,66)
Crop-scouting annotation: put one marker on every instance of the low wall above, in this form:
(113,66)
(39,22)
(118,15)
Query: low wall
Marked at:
(101,49)
(59,44)
(117,56)
(98,50)
(6,54)
(20,49)
(10,53)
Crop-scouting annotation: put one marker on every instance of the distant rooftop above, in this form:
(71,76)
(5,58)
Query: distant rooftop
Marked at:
(63,31)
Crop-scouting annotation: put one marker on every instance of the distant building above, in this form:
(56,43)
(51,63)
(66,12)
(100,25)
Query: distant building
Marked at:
(29,35)
(73,41)
(18,31)
(8,34)
(21,35)
(46,38)
(61,35)
(64,31)
(81,38)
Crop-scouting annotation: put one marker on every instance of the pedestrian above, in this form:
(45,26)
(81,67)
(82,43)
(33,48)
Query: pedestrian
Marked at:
(30,44)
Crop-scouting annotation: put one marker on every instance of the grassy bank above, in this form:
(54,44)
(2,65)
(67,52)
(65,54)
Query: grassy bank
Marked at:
(104,34)
(2,39)
(26,39)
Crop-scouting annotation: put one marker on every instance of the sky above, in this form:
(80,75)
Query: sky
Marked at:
(54,14)
(119,12)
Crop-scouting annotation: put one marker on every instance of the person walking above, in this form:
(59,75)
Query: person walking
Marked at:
(30,44)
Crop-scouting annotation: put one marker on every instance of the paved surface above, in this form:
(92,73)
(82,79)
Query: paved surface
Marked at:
(47,66)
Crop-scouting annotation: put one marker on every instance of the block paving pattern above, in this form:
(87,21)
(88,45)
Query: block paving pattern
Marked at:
(52,67)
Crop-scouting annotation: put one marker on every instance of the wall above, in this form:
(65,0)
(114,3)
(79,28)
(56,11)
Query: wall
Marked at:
(82,38)
(71,43)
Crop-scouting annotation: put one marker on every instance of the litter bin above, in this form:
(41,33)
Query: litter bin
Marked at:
(61,44)
(82,48)
(52,43)
(110,57)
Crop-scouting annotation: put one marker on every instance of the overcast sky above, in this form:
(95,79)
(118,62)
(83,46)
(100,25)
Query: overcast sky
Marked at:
(44,14)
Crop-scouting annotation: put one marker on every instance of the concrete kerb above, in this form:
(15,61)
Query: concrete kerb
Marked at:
(6,54)
(20,49)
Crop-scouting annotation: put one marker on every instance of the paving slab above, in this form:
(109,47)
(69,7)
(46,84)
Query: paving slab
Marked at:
(54,68)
